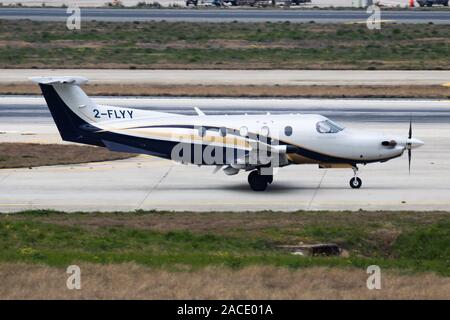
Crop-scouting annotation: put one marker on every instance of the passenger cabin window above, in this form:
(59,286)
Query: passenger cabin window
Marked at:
(201,131)
(265,131)
(243,131)
(288,131)
(328,126)
(223,131)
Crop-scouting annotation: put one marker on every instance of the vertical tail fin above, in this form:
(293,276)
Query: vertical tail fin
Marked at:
(64,98)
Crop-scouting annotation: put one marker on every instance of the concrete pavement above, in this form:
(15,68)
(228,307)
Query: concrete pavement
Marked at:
(238,77)
(150,183)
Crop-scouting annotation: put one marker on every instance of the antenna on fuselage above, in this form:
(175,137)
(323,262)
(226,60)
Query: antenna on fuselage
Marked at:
(199,112)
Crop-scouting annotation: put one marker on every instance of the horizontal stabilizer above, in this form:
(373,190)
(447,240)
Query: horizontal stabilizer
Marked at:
(59,80)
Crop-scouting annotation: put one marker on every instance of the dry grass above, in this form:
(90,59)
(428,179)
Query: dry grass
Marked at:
(405,91)
(18,155)
(131,281)
(228,223)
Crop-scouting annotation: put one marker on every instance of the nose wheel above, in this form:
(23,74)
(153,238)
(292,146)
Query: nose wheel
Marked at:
(355,182)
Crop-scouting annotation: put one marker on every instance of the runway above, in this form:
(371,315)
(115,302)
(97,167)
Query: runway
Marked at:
(227,15)
(237,77)
(151,183)
(34,108)
(27,118)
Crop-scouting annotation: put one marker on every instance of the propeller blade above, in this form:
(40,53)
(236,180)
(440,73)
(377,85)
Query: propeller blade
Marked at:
(216,169)
(408,145)
(410,128)
(409,161)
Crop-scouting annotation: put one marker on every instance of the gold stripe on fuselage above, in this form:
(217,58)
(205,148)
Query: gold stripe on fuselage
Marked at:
(299,159)
(234,141)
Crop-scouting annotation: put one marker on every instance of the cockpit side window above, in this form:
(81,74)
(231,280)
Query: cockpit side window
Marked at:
(328,126)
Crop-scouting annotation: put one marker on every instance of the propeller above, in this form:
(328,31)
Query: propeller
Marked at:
(411,143)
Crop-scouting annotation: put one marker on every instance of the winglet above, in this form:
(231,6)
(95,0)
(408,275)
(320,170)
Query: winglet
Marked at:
(199,112)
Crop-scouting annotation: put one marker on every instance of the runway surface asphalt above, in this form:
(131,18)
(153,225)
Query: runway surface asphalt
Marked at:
(150,183)
(227,15)
(34,108)
(237,77)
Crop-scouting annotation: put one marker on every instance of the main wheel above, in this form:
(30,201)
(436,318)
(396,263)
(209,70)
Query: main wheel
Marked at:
(355,183)
(257,182)
(268,177)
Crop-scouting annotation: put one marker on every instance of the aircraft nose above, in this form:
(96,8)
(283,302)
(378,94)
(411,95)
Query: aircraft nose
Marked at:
(414,143)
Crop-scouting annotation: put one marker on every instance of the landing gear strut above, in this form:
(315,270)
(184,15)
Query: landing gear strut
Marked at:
(259,182)
(355,182)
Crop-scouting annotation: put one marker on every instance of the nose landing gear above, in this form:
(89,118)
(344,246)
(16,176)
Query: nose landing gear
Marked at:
(355,182)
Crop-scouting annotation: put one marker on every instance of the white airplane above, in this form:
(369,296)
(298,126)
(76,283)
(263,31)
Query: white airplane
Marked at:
(231,143)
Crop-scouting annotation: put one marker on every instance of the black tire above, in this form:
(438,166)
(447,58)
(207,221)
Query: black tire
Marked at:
(355,183)
(257,182)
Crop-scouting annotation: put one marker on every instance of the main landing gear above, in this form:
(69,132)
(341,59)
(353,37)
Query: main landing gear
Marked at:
(258,181)
(355,182)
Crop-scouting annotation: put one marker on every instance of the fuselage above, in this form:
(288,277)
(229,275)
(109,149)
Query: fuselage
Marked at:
(312,145)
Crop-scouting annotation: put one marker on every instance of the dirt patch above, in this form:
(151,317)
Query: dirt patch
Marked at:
(406,91)
(226,44)
(131,281)
(19,155)
(15,43)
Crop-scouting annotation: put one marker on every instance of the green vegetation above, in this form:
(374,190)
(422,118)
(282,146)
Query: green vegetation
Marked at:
(224,45)
(415,242)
